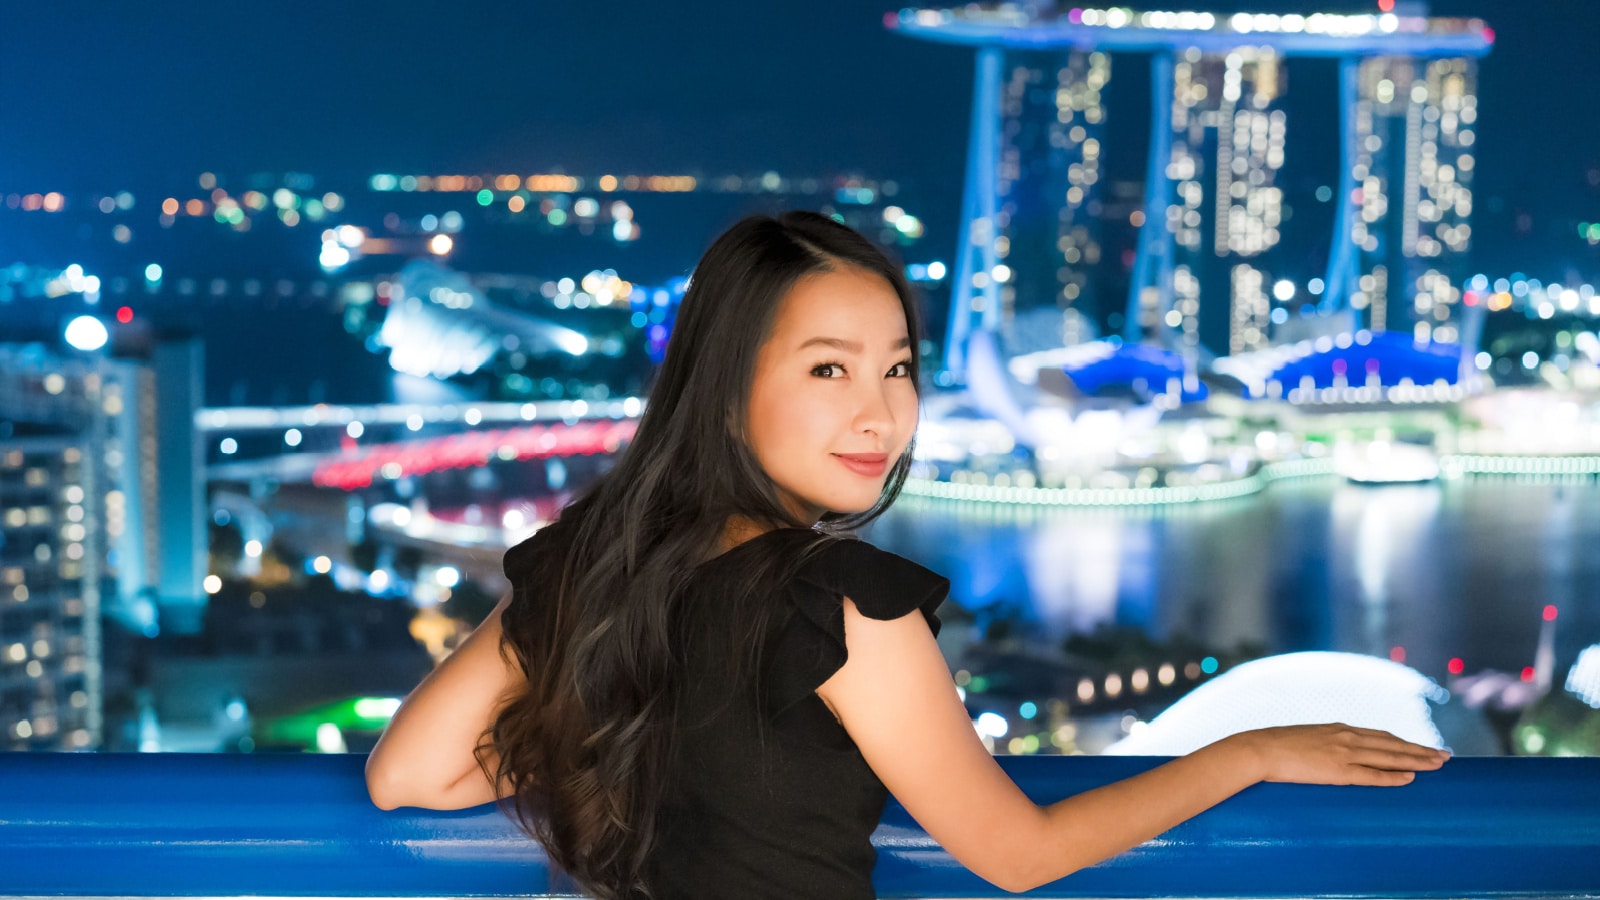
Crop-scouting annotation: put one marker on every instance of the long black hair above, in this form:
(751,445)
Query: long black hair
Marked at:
(595,624)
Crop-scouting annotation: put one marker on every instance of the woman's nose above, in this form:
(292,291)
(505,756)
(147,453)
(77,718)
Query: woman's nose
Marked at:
(873,411)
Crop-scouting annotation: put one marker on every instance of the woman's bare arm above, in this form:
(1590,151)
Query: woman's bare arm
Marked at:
(895,697)
(425,757)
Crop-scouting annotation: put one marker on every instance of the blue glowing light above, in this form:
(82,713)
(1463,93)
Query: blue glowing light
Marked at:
(1131,364)
(1387,355)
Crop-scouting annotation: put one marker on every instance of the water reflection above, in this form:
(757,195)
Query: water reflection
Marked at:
(1382,523)
(1454,569)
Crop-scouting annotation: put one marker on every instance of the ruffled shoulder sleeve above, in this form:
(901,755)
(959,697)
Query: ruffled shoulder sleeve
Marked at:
(882,585)
(535,564)
(524,557)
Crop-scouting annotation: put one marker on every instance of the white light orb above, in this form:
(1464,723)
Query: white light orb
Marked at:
(87,333)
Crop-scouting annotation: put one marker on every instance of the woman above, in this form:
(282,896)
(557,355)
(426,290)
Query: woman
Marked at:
(700,687)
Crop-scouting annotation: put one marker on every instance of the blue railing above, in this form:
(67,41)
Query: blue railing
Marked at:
(99,825)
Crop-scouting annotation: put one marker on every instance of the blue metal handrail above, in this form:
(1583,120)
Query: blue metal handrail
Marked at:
(127,825)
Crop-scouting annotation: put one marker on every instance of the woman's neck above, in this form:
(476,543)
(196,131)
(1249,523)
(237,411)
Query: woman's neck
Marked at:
(736,531)
(739,529)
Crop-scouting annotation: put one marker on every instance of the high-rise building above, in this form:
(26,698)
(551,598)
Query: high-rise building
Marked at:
(101,497)
(63,510)
(1053,121)
(1203,278)
(1411,172)
(1224,206)
(171,444)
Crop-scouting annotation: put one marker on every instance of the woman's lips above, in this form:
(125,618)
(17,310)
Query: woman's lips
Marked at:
(868,464)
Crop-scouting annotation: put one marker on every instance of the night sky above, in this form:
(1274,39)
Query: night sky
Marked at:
(103,96)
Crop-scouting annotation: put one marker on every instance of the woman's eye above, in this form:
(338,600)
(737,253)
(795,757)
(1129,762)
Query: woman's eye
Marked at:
(828,370)
(900,370)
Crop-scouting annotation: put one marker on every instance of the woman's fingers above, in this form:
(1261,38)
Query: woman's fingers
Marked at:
(1356,739)
(1405,749)
(1396,759)
(1380,777)
(1341,754)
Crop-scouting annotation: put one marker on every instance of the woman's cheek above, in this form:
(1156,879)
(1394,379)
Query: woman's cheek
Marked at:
(907,413)
(812,412)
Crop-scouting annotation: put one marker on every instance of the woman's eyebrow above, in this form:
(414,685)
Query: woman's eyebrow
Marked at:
(848,346)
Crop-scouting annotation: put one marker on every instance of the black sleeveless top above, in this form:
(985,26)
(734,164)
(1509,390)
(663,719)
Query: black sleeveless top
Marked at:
(768,796)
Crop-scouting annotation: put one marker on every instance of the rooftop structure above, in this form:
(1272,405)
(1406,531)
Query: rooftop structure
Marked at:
(1211,213)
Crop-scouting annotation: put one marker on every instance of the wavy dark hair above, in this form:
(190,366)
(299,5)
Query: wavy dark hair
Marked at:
(598,627)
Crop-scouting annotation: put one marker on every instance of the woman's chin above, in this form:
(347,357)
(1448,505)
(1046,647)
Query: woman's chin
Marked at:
(852,506)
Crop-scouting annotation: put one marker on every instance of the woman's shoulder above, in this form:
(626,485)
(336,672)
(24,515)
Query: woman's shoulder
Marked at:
(819,570)
(811,647)
(533,554)
(881,584)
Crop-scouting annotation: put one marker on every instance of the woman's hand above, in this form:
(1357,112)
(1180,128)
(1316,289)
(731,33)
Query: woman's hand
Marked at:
(1337,754)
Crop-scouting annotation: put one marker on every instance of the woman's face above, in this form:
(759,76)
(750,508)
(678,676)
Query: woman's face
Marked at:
(832,406)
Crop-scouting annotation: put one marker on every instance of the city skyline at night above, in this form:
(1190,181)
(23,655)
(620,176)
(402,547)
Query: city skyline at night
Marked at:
(503,89)
(306,314)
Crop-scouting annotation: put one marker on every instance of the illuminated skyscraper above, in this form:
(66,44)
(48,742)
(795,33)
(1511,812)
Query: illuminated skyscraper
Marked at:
(1407,194)
(1212,213)
(1049,171)
(63,508)
(1223,206)
(1033,168)
(101,493)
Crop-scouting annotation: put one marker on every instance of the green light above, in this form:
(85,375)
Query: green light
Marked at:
(558,217)
(382,708)
(978,684)
(485,197)
(352,715)
(1533,740)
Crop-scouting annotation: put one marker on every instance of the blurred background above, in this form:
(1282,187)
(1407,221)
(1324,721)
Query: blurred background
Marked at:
(1261,344)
